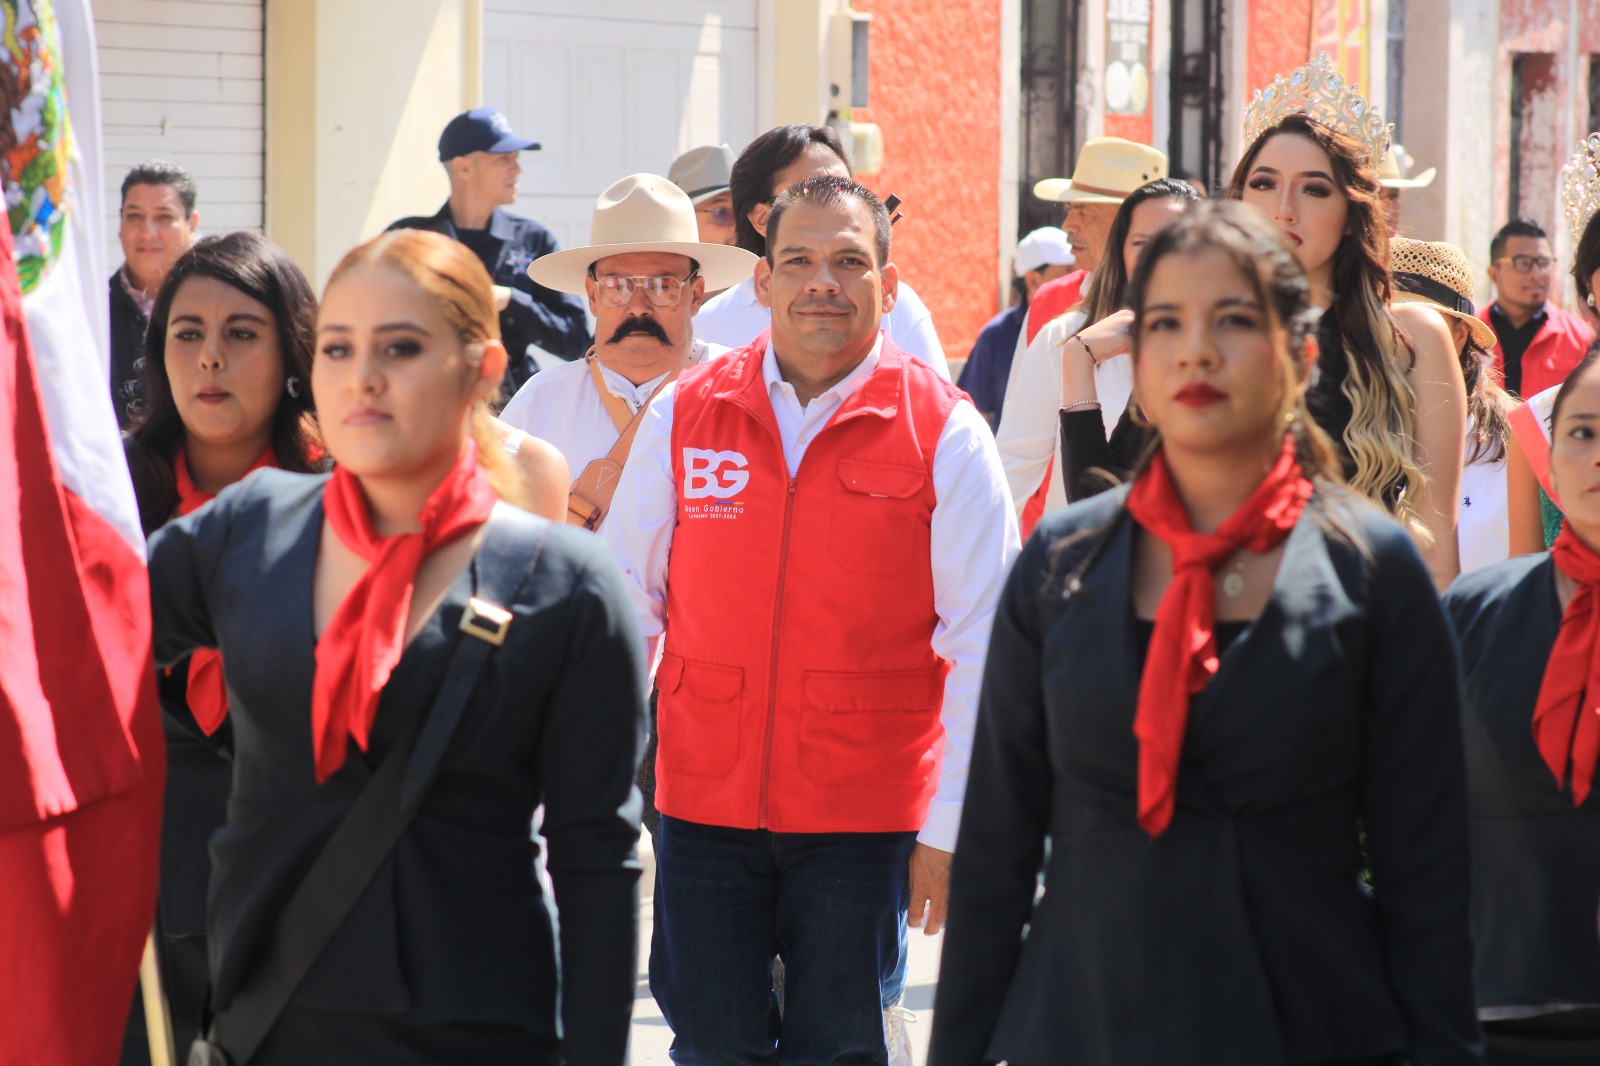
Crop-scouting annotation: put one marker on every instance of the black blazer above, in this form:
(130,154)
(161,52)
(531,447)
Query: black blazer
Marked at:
(1536,857)
(455,926)
(1242,935)
(128,326)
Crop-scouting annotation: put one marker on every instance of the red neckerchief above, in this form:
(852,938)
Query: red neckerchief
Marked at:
(1566,720)
(207,690)
(1183,648)
(366,635)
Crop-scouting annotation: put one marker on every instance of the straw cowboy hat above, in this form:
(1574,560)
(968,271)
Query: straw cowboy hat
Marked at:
(1439,275)
(1109,168)
(1396,164)
(642,213)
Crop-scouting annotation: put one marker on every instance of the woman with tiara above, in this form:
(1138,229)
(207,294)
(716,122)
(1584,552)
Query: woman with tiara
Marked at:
(1388,388)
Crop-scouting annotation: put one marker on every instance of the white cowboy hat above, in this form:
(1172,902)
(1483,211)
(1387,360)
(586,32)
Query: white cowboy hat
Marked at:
(1392,171)
(642,213)
(1109,168)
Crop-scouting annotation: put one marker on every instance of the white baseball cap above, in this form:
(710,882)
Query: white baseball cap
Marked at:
(1044,247)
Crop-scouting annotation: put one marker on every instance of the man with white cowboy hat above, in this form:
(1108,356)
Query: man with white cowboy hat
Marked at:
(1108,169)
(1394,174)
(645,273)
(704,173)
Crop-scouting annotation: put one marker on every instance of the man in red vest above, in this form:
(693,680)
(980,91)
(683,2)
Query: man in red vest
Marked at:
(819,525)
(1538,344)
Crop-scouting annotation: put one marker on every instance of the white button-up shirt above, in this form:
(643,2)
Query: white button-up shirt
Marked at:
(1030,421)
(734,318)
(974,541)
(562,406)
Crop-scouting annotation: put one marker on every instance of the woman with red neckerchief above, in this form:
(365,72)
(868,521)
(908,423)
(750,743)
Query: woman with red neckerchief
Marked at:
(412,662)
(1530,633)
(1228,698)
(226,381)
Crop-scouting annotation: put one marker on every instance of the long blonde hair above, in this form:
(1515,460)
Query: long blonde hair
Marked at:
(451,275)
(1381,437)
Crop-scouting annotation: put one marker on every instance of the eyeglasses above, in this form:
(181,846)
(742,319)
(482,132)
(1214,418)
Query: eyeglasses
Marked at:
(661,292)
(719,216)
(1528,264)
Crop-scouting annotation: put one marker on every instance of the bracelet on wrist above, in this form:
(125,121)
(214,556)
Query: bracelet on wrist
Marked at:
(1086,349)
(1080,403)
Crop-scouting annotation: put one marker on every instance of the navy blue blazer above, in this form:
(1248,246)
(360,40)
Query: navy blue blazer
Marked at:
(1535,857)
(1244,933)
(455,927)
(553,320)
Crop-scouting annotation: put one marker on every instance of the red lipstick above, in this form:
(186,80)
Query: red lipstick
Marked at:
(1199,394)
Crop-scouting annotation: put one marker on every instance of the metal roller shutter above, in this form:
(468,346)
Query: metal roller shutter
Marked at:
(182,80)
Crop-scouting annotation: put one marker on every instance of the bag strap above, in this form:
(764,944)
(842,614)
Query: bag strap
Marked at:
(369,831)
(616,406)
(589,498)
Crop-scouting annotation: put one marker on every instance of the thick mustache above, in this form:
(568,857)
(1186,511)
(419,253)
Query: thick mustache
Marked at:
(648,326)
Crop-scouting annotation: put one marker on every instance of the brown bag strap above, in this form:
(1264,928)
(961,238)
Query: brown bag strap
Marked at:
(589,500)
(616,406)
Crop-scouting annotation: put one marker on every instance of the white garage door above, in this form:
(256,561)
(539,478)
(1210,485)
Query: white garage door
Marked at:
(182,80)
(613,88)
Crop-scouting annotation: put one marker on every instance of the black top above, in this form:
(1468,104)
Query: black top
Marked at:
(1243,934)
(536,315)
(455,926)
(1327,403)
(1514,341)
(1091,463)
(1536,857)
(128,326)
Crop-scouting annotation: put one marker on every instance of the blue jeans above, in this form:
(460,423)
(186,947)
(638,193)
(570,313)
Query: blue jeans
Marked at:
(831,904)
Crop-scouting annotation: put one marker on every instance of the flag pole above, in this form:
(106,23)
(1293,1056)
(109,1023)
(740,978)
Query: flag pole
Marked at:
(157,1019)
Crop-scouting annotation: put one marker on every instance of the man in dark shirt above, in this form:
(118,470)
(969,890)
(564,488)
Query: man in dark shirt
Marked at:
(1041,256)
(156,223)
(1539,344)
(479,150)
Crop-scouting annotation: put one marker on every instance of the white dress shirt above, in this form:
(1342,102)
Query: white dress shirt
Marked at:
(734,317)
(562,406)
(974,540)
(1030,420)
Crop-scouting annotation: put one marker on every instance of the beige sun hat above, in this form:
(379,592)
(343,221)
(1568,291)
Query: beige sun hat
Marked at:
(1439,275)
(1109,168)
(1396,165)
(642,213)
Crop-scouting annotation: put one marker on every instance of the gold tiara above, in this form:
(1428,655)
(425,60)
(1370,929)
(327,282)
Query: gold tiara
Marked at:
(1580,186)
(1319,92)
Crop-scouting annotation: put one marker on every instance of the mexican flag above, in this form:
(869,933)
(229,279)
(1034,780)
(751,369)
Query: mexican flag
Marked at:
(81,756)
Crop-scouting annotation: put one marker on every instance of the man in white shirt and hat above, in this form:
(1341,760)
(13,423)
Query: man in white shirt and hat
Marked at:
(1394,174)
(704,173)
(644,273)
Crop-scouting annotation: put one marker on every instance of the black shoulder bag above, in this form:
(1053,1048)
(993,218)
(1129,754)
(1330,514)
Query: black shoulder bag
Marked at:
(369,831)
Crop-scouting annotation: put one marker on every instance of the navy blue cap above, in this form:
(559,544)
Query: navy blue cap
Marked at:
(483,129)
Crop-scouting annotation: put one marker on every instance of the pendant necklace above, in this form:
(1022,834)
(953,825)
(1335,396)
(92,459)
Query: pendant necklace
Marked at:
(1233,583)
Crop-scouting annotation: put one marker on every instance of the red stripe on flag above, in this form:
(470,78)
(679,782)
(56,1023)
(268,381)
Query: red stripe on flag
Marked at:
(82,758)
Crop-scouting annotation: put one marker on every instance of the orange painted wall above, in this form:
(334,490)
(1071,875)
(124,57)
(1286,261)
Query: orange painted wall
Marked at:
(935,92)
(1279,40)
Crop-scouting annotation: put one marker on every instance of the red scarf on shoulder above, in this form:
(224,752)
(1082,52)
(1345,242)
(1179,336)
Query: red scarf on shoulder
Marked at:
(1566,720)
(1183,649)
(207,690)
(365,637)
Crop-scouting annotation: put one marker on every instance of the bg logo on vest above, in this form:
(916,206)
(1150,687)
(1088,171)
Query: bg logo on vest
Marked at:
(716,474)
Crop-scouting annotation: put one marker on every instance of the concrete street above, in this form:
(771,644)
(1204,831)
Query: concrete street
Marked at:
(652,1038)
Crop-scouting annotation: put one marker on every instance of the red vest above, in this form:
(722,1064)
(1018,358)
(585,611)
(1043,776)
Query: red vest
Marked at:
(799,691)
(1052,300)
(1551,355)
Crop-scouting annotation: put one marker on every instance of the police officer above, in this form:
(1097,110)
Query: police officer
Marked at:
(479,151)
